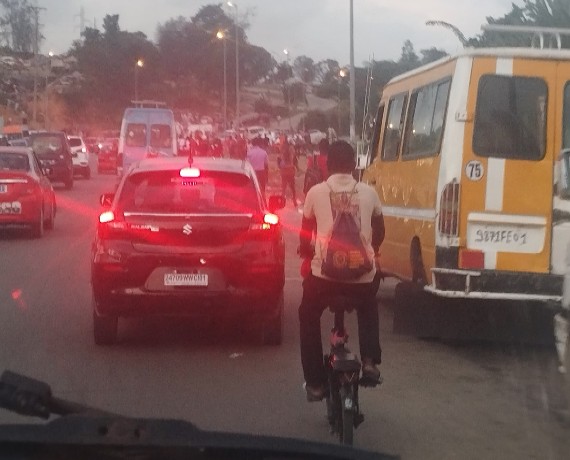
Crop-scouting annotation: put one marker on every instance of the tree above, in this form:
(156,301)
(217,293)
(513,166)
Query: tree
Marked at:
(304,68)
(543,13)
(409,59)
(18,24)
(431,54)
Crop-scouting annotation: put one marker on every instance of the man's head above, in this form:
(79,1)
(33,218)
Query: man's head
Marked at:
(323,146)
(340,159)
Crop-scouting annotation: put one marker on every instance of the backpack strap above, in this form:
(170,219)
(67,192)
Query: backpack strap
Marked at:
(349,201)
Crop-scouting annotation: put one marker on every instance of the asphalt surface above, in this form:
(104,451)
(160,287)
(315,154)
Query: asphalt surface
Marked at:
(440,400)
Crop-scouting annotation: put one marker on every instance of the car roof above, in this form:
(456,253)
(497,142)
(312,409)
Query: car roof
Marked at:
(48,133)
(25,150)
(205,163)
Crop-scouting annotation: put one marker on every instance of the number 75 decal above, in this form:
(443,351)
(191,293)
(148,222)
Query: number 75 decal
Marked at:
(474,170)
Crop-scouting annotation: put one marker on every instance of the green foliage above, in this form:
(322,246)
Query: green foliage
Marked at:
(18,25)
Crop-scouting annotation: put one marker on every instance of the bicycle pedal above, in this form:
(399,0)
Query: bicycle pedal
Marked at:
(368,382)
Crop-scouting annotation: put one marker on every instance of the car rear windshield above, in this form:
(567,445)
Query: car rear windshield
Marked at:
(14,162)
(47,145)
(211,193)
(74,142)
(510,117)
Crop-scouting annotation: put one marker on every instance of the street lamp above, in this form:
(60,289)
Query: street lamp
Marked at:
(341,74)
(46,114)
(221,35)
(138,64)
(234,5)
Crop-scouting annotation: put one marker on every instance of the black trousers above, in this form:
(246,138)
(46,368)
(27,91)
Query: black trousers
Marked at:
(316,292)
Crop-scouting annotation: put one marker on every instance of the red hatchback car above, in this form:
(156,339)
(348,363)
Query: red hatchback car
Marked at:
(27,199)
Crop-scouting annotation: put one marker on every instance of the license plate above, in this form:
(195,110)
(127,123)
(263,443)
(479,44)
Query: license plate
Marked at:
(185,279)
(3,188)
(506,238)
(14,207)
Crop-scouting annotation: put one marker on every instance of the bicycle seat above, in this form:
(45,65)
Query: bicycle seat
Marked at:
(339,304)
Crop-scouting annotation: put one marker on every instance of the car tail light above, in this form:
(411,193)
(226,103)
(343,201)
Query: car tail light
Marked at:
(112,225)
(263,226)
(471,259)
(448,223)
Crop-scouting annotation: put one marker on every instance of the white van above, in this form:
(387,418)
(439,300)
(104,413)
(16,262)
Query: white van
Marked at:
(146,133)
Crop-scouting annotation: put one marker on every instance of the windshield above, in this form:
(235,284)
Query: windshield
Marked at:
(202,296)
(210,193)
(74,141)
(14,162)
(47,145)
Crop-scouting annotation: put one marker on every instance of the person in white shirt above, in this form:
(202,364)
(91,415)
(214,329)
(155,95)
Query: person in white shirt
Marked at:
(316,227)
(259,160)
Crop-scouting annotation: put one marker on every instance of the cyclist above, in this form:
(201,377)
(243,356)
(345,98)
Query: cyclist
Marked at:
(317,224)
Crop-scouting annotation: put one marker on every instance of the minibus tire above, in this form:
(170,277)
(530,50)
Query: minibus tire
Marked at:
(417,263)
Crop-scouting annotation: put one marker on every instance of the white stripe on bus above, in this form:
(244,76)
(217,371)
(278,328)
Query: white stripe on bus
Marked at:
(409,213)
(495,188)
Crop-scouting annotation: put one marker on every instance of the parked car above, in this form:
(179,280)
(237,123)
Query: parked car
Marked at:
(107,159)
(80,156)
(54,153)
(194,240)
(27,199)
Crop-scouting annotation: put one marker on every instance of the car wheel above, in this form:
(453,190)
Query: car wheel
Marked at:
(272,328)
(51,221)
(87,173)
(105,329)
(69,183)
(38,227)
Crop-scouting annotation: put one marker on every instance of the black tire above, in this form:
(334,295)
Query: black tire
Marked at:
(272,329)
(87,173)
(50,223)
(69,183)
(347,431)
(417,263)
(38,227)
(105,329)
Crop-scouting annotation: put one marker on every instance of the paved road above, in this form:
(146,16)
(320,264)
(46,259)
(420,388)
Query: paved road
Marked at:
(439,400)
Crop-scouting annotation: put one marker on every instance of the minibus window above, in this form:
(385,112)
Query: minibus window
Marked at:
(427,109)
(510,117)
(136,135)
(160,136)
(394,127)
(566,118)
(376,137)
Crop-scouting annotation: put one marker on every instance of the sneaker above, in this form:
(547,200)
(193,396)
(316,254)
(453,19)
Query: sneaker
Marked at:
(314,394)
(371,372)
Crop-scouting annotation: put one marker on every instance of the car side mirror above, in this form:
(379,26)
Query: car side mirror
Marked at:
(276,202)
(563,174)
(106,199)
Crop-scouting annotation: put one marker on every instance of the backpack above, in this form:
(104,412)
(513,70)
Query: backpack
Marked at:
(346,258)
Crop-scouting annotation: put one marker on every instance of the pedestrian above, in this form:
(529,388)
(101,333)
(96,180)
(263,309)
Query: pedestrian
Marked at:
(317,170)
(241,147)
(259,160)
(287,163)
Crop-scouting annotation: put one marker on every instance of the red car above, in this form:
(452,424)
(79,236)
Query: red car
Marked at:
(27,199)
(107,159)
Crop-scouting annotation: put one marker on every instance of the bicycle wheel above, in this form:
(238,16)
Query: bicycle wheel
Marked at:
(347,414)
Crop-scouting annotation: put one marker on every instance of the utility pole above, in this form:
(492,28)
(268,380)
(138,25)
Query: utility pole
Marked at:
(82,20)
(36,10)
(352,77)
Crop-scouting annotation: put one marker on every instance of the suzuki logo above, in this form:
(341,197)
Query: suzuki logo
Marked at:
(187,229)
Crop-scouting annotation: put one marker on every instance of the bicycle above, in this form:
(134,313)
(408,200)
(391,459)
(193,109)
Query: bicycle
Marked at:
(343,374)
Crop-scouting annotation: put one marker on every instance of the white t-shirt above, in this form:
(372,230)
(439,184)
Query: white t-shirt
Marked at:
(364,203)
(258,158)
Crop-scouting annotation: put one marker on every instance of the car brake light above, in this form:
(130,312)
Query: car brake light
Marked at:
(267,223)
(448,223)
(190,172)
(106,217)
(271,219)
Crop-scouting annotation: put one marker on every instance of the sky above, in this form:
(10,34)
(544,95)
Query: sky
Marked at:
(315,28)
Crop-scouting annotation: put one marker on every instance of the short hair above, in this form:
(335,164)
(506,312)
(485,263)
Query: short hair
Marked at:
(341,157)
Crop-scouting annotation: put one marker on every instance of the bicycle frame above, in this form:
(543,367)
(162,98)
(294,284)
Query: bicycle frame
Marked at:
(343,370)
